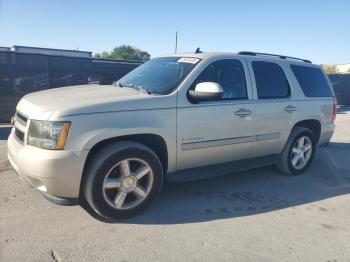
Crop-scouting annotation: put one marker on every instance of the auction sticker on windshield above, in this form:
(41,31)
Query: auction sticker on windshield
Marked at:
(190,60)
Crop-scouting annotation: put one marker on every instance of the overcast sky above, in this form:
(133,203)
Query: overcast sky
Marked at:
(317,30)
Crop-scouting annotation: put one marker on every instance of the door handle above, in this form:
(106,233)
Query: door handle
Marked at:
(290,108)
(242,112)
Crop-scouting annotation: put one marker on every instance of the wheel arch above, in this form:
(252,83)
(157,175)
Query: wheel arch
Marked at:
(153,141)
(313,124)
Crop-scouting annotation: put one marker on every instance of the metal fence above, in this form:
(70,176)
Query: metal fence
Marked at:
(341,86)
(22,73)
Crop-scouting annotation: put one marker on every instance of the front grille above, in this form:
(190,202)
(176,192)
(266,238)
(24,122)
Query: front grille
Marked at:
(19,135)
(21,119)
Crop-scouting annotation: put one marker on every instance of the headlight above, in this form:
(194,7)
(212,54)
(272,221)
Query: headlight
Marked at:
(48,135)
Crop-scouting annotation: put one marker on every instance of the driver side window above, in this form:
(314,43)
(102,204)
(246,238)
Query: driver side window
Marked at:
(228,73)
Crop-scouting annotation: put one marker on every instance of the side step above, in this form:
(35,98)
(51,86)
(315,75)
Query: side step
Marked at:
(192,174)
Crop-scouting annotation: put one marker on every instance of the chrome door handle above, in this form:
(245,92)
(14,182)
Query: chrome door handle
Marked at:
(290,108)
(243,112)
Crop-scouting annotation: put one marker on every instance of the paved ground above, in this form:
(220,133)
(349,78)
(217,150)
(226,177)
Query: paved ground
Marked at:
(258,215)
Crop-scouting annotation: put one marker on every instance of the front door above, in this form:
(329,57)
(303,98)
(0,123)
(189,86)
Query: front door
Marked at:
(214,132)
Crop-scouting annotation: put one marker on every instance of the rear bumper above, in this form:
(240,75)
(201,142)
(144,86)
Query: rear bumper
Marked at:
(56,173)
(327,132)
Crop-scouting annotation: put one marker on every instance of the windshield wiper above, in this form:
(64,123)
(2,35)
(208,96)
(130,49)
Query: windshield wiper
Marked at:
(139,88)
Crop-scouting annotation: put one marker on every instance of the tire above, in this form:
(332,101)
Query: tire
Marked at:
(111,190)
(288,155)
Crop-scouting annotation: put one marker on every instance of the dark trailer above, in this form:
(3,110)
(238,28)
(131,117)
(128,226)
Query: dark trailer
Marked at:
(23,73)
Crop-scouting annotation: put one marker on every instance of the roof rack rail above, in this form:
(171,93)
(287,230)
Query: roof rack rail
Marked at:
(274,55)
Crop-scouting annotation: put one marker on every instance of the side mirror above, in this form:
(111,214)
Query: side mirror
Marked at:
(206,91)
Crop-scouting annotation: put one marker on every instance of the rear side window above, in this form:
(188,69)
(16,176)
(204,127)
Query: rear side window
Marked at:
(312,81)
(271,82)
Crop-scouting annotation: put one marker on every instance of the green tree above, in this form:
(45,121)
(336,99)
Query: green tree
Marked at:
(330,69)
(102,55)
(126,52)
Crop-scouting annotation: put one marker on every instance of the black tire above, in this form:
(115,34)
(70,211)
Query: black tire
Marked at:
(285,160)
(99,166)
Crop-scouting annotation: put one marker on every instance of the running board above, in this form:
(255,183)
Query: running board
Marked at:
(220,169)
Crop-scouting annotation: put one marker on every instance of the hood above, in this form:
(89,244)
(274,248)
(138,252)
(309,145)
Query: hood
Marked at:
(83,99)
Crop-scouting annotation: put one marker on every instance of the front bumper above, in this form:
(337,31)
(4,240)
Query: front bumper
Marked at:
(57,173)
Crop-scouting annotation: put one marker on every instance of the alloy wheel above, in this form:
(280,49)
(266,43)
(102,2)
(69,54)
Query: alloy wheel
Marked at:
(301,152)
(128,183)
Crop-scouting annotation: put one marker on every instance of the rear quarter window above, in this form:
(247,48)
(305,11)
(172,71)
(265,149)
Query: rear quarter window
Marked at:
(312,81)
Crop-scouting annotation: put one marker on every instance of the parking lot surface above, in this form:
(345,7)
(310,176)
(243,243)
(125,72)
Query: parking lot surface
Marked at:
(257,215)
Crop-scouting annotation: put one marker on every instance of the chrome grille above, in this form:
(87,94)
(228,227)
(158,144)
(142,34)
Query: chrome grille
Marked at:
(19,135)
(21,119)
(20,125)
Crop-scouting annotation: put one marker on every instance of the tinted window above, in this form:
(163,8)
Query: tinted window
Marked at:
(229,74)
(312,81)
(271,82)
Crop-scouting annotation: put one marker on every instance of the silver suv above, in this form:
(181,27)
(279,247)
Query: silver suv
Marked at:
(185,114)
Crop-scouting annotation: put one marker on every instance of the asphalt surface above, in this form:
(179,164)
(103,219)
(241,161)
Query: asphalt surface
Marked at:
(258,215)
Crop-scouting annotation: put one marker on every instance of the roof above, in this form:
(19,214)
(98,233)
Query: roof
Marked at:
(206,55)
(202,55)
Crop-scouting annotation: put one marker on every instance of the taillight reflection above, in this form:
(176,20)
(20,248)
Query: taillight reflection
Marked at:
(334,109)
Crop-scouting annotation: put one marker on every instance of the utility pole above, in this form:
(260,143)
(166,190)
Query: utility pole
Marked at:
(176,42)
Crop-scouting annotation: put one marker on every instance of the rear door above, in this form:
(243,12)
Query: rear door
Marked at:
(275,104)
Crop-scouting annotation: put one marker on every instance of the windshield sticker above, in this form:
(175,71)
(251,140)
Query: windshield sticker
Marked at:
(190,60)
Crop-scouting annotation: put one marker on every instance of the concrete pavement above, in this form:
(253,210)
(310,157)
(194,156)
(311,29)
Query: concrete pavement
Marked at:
(258,215)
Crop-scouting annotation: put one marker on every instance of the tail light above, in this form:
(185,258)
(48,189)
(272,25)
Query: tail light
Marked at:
(334,109)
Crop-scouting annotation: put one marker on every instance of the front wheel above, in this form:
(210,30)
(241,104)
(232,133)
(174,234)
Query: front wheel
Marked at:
(299,152)
(122,180)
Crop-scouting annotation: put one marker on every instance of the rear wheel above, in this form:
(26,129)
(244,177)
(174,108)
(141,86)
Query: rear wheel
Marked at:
(299,152)
(122,180)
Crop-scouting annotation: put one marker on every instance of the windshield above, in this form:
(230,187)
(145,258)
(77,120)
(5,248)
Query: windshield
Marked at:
(159,75)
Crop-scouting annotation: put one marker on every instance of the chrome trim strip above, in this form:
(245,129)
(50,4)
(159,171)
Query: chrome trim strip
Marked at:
(229,141)
(219,142)
(268,136)
(19,126)
(21,119)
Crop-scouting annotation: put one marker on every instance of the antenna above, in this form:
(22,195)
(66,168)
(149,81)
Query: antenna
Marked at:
(198,50)
(176,42)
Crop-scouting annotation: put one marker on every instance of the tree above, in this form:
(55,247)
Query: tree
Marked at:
(330,69)
(126,52)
